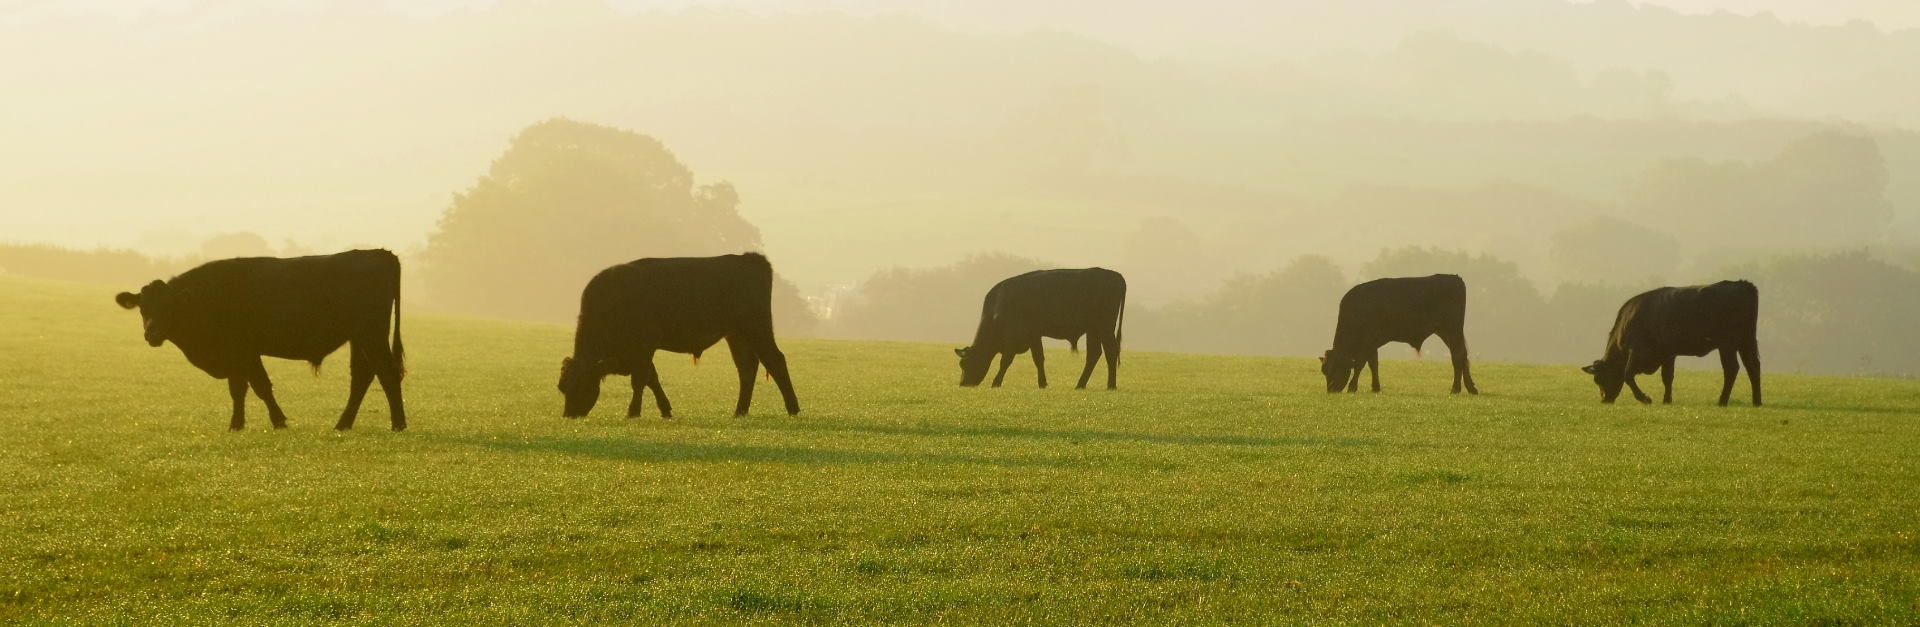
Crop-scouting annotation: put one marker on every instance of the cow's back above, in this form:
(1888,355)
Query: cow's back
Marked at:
(680,304)
(1059,303)
(294,308)
(1403,308)
(1693,320)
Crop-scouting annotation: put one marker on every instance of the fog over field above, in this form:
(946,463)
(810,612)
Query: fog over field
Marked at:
(1606,145)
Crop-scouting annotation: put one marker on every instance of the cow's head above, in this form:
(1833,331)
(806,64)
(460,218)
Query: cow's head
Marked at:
(155,303)
(973,365)
(1339,368)
(580,382)
(1609,376)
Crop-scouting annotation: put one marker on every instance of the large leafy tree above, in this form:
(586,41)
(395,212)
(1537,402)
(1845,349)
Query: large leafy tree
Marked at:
(567,199)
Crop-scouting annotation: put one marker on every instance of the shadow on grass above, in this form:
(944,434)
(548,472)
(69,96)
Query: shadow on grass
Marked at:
(1071,436)
(625,449)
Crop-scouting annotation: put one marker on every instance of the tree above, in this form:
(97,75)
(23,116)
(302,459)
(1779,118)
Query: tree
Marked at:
(567,199)
(1289,311)
(935,304)
(1846,313)
(1825,189)
(1613,251)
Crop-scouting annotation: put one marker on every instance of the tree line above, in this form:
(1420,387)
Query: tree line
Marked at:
(1845,312)
(567,198)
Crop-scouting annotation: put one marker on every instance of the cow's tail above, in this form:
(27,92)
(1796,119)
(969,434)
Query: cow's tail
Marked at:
(1119,323)
(399,349)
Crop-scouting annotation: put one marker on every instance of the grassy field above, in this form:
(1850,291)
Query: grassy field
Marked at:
(1206,489)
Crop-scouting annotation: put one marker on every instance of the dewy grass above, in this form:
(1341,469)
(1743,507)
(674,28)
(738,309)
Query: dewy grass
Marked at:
(1205,489)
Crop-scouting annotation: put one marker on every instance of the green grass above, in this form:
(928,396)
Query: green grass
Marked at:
(1207,489)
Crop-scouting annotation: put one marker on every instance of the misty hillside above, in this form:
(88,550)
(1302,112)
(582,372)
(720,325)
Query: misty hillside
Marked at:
(863,140)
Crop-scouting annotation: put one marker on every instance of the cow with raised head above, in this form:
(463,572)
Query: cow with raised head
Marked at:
(1655,327)
(1406,310)
(225,315)
(1060,304)
(679,305)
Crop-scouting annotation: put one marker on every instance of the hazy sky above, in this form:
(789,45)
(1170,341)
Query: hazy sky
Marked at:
(342,125)
(1890,14)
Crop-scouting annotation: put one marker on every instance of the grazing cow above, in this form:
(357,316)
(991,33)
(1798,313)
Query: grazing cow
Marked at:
(1060,304)
(1655,327)
(225,315)
(680,305)
(1397,310)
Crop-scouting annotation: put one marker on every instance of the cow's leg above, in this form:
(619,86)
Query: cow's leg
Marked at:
(1006,359)
(263,388)
(237,387)
(640,386)
(645,376)
(1750,355)
(748,365)
(1113,360)
(659,393)
(1462,367)
(386,366)
(1093,360)
(1666,381)
(1353,376)
(776,363)
(1040,361)
(1373,367)
(1633,366)
(1729,370)
(361,367)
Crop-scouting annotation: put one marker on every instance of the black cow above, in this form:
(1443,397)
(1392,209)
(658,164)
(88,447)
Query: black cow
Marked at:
(225,315)
(680,305)
(1060,304)
(1397,310)
(1655,327)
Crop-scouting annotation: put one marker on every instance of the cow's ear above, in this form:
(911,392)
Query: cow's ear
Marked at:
(960,351)
(127,300)
(1323,359)
(1592,368)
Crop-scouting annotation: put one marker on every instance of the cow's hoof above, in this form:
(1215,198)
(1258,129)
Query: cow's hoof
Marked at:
(666,415)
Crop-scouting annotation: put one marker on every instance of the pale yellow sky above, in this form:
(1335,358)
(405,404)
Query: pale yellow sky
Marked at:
(355,128)
(1889,14)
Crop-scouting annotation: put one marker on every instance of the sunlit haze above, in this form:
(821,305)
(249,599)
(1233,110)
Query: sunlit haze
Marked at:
(1183,143)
